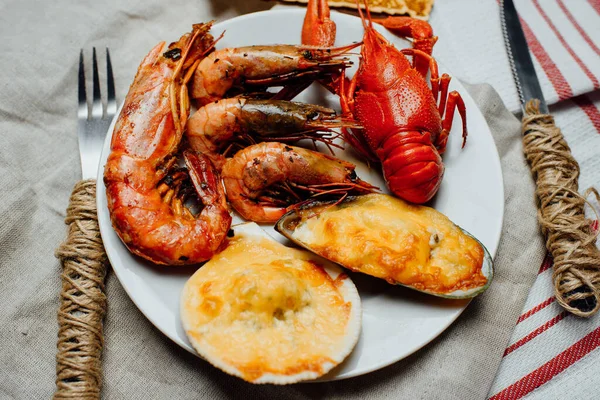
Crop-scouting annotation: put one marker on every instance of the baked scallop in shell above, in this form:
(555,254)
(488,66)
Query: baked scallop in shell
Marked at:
(383,236)
(268,313)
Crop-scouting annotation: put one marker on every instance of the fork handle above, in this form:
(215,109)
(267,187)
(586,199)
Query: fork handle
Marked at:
(82,299)
(569,237)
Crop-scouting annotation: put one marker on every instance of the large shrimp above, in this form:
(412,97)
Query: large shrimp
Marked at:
(262,180)
(145,189)
(262,66)
(213,129)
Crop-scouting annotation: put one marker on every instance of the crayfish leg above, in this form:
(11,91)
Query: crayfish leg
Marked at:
(444,83)
(455,101)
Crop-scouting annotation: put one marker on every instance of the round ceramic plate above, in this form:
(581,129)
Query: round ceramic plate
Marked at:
(396,321)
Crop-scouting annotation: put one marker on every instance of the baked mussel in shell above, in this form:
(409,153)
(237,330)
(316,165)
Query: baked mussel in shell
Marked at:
(385,237)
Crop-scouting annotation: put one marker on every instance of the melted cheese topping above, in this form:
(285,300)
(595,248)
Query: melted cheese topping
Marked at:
(261,310)
(388,238)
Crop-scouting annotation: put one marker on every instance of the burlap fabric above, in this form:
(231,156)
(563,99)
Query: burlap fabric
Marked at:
(39,165)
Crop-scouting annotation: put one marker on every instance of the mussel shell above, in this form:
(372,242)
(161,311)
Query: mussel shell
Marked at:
(290,221)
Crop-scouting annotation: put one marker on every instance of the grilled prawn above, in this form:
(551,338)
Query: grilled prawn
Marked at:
(264,179)
(217,128)
(244,68)
(145,189)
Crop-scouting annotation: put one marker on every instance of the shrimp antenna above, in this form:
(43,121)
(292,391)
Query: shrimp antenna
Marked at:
(362,15)
(368,13)
(173,84)
(214,43)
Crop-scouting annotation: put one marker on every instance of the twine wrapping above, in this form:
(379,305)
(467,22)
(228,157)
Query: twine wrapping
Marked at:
(82,299)
(569,237)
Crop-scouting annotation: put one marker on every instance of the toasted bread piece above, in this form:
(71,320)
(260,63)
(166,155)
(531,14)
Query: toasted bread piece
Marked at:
(414,8)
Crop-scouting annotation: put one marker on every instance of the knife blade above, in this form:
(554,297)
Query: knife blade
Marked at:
(528,85)
(561,212)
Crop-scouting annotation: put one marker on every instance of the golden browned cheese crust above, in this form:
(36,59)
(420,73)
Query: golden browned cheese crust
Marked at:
(266,313)
(414,8)
(388,238)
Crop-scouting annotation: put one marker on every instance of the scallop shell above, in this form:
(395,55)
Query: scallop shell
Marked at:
(239,311)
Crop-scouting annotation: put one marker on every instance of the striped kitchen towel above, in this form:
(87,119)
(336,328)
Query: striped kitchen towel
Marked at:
(551,354)
(563,36)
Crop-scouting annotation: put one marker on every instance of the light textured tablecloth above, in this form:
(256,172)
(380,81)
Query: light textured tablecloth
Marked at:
(39,165)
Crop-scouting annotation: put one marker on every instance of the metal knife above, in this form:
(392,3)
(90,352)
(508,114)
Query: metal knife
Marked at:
(569,237)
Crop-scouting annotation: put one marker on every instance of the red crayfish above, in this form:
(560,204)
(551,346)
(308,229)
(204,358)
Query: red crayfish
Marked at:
(404,127)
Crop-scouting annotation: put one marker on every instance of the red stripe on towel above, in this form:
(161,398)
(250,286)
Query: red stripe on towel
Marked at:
(578,60)
(590,109)
(535,309)
(583,34)
(550,369)
(595,4)
(557,79)
(535,333)
(546,264)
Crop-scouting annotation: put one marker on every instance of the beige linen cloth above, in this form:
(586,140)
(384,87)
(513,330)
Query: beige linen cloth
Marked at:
(39,163)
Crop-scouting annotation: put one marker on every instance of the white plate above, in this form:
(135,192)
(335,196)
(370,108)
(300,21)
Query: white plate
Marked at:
(396,321)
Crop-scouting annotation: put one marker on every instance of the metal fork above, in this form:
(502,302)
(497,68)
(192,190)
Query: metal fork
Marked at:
(92,127)
(84,261)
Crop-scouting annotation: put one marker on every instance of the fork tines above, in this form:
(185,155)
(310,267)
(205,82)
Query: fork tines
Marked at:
(97,110)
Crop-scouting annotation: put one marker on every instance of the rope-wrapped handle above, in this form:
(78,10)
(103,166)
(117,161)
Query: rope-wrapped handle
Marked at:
(569,237)
(82,299)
